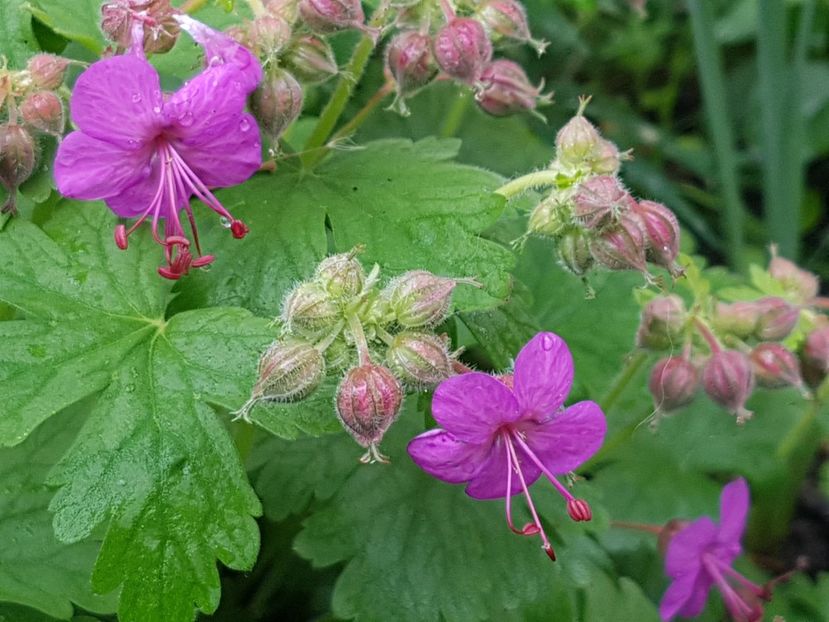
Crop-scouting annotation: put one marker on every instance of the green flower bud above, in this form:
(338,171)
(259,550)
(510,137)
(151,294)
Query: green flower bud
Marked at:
(342,276)
(420,359)
(308,309)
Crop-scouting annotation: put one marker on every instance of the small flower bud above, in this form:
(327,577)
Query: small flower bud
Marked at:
(17,159)
(607,160)
(157,17)
(663,320)
(277,102)
(420,298)
(342,276)
(578,142)
(728,380)
(47,70)
(662,234)
(508,19)
(673,383)
(268,35)
(462,49)
(802,283)
(287,10)
(775,366)
(506,90)
(308,309)
(548,217)
(737,318)
(816,349)
(289,370)
(600,201)
(573,252)
(368,401)
(326,16)
(776,318)
(409,61)
(420,359)
(622,247)
(312,60)
(579,510)
(43,110)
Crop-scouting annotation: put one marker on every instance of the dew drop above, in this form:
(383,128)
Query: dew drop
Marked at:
(136,97)
(244,124)
(215,60)
(225,222)
(156,109)
(547,342)
(186,119)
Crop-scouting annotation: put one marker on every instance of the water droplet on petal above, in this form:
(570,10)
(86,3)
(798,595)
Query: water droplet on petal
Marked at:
(225,222)
(215,60)
(547,342)
(244,124)
(136,97)
(157,109)
(186,119)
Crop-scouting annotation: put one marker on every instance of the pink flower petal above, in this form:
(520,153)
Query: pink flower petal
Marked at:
(734,504)
(681,595)
(697,597)
(685,549)
(134,200)
(490,482)
(88,168)
(472,406)
(566,440)
(118,100)
(543,375)
(442,455)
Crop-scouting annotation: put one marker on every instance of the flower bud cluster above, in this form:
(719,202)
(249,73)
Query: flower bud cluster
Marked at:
(379,339)
(595,221)
(157,17)
(728,348)
(456,42)
(30,105)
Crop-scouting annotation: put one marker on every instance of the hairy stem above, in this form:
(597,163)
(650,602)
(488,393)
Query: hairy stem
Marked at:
(454,118)
(539,179)
(358,119)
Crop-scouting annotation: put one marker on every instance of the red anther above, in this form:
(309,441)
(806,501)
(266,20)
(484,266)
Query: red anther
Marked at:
(530,529)
(238,229)
(204,260)
(550,552)
(121,237)
(169,274)
(579,510)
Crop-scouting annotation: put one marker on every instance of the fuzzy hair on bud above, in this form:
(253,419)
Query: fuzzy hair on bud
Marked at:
(43,110)
(578,142)
(325,16)
(309,310)
(462,49)
(775,366)
(268,35)
(157,17)
(47,70)
(621,247)
(342,276)
(312,60)
(600,201)
(573,250)
(505,89)
(662,234)
(420,359)
(728,380)
(550,217)
(802,283)
(17,160)
(776,318)
(420,298)
(607,160)
(662,323)
(673,383)
(276,102)
(289,370)
(410,62)
(507,19)
(737,318)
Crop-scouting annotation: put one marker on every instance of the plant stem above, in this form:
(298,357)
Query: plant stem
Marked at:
(454,118)
(632,366)
(359,336)
(539,179)
(714,96)
(655,529)
(364,112)
(191,6)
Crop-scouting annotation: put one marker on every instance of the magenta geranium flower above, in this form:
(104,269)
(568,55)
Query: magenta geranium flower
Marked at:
(500,435)
(146,153)
(701,554)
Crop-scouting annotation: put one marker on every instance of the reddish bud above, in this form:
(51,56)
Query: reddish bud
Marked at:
(342,276)
(277,102)
(508,19)
(728,380)
(17,159)
(43,110)
(312,60)
(816,349)
(573,252)
(802,283)
(776,318)
(662,234)
(308,309)
(368,401)
(673,383)
(288,370)
(578,142)
(775,366)
(737,318)
(662,323)
(410,62)
(420,359)
(47,70)
(600,201)
(579,510)
(157,17)
(621,247)
(506,90)
(331,15)
(462,49)
(420,298)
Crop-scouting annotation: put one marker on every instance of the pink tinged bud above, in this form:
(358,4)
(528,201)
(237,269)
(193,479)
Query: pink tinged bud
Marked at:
(578,142)
(420,359)
(420,298)
(622,247)
(17,159)
(802,283)
(410,62)
(607,159)
(662,323)
(506,90)
(312,60)
(547,218)
(738,318)
(728,380)
(309,310)
(462,49)
(775,366)
(289,370)
(326,16)
(287,10)
(508,19)
(673,383)
(156,16)
(268,35)
(341,276)
(43,110)
(816,348)
(277,102)
(600,201)
(368,401)
(579,510)
(662,234)
(573,252)
(776,318)
(47,70)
